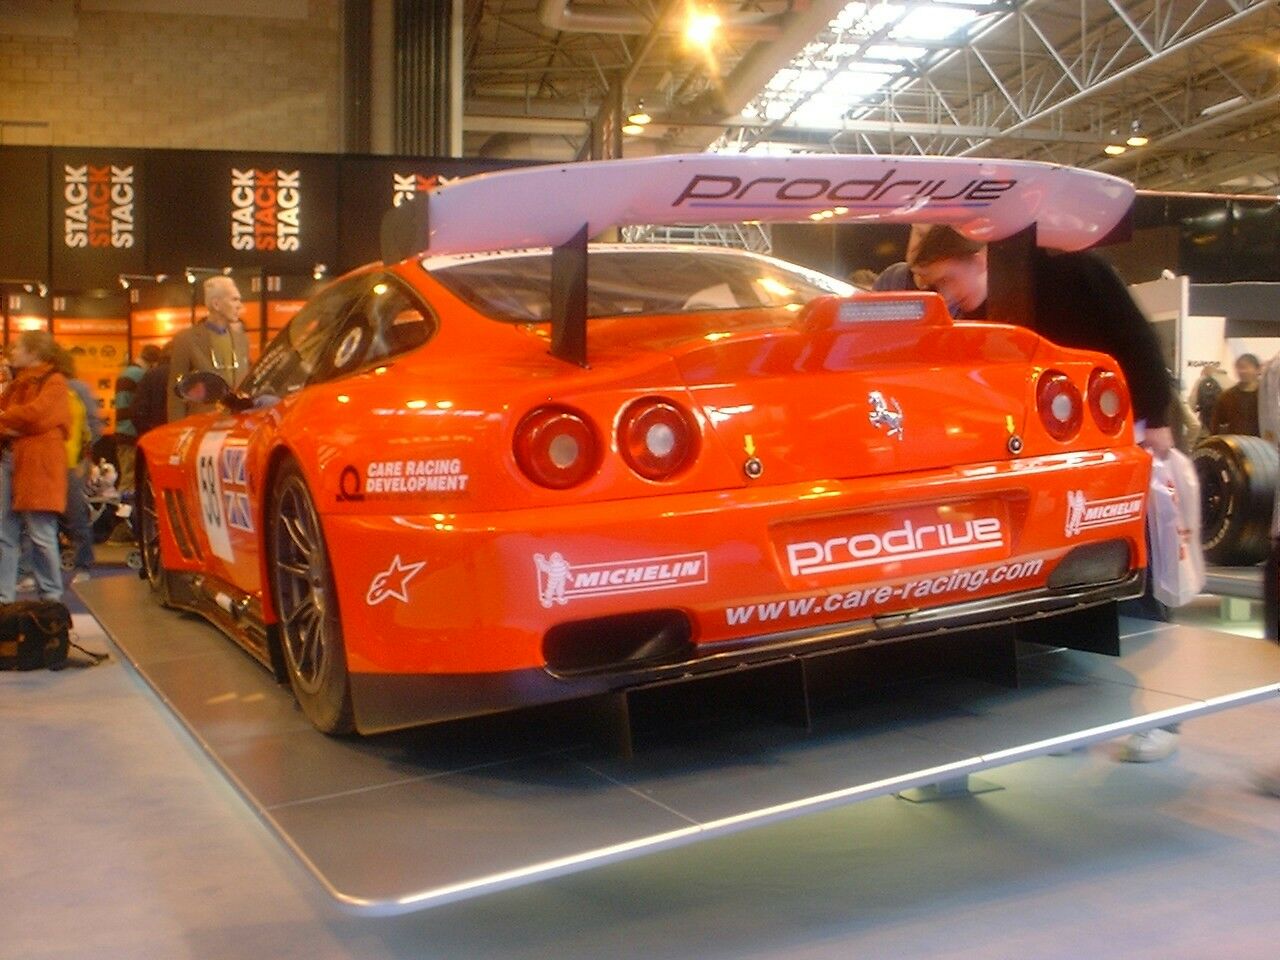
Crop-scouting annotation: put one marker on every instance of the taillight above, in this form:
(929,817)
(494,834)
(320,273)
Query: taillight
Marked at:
(556,447)
(1108,401)
(657,438)
(1060,405)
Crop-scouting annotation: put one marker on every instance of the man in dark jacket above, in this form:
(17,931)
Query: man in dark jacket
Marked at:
(1079,302)
(1237,409)
(126,433)
(150,407)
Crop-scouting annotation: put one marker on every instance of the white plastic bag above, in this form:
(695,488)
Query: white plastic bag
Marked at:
(1173,524)
(1269,419)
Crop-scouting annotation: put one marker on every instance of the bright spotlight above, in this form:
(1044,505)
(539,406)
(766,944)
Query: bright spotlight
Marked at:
(702,27)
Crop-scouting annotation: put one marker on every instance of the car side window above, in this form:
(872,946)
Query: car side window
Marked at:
(296,354)
(385,323)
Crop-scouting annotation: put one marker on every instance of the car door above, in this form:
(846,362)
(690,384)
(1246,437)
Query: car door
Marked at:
(229,454)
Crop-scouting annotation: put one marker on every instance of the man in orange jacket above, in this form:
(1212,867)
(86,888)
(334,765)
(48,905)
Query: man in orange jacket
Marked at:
(35,417)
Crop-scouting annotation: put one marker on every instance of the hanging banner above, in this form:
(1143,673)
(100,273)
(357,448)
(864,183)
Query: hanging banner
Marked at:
(370,186)
(24,213)
(97,214)
(269,210)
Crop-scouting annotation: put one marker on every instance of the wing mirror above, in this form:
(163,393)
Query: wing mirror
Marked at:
(205,386)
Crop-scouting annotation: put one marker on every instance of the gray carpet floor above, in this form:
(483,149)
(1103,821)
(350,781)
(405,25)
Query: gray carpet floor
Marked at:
(119,840)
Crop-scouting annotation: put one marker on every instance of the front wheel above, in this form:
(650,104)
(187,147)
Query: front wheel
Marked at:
(150,567)
(306,605)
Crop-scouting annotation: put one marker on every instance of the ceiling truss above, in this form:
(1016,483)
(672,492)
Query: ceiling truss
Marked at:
(1041,79)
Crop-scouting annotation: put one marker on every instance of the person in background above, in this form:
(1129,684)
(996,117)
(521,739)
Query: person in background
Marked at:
(35,418)
(80,439)
(126,431)
(863,279)
(1099,314)
(150,407)
(1205,395)
(217,343)
(1237,410)
(899,276)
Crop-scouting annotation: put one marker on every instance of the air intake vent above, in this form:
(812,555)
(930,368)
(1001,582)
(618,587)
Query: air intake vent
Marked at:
(175,505)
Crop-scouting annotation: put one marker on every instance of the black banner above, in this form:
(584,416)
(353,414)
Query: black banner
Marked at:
(24,213)
(271,210)
(96,211)
(373,185)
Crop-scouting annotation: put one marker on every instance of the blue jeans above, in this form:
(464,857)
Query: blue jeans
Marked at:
(42,527)
(76,518)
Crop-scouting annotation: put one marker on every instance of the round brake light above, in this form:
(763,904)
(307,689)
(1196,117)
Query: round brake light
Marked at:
(1060,404)
(556,447)
(1108,401)
(657,438)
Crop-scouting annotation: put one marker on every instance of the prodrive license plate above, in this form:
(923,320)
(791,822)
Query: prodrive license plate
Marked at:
(853,548)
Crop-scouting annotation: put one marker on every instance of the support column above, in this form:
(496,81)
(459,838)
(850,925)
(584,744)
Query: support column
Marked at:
(425,55)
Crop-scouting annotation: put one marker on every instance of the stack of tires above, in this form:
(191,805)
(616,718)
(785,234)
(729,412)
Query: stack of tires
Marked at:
(1238,477)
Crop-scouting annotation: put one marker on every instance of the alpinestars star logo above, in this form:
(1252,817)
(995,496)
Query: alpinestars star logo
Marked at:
(560,581)
(393,583)
(1083,514)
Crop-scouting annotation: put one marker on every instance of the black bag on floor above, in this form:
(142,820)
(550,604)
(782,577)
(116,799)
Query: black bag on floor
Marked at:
(34,635)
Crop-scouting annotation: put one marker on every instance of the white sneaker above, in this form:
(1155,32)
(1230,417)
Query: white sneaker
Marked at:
(27,585)
(1148,746)
(80,576)
(1268,781)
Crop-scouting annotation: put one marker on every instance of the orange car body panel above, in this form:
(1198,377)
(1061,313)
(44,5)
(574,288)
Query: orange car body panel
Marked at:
(443,549)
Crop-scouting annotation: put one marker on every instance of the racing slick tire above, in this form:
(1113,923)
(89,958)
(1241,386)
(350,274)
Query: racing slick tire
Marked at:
(1237,492)
(151,567)
(306,605)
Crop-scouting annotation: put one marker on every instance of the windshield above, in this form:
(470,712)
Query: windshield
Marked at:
(516,287)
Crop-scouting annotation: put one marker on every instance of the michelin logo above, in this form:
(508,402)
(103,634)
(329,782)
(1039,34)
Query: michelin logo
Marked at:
(560,581)
(1085,514)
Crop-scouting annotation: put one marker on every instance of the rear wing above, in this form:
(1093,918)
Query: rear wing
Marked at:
(560,206)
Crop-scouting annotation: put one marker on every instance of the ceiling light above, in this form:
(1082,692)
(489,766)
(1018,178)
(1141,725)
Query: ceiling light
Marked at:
(633,129)
(1114,149)
(639,117)
(702,27)
(1137,140)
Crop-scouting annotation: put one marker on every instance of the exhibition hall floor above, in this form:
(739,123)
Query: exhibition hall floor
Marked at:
(119,839)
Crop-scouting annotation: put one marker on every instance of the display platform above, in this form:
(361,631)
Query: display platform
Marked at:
(1244,583)
(407,821)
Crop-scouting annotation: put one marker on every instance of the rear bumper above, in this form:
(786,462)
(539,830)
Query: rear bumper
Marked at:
(449,615)
(386,702)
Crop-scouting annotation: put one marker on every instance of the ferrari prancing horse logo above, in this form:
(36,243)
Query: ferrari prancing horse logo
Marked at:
(883,418)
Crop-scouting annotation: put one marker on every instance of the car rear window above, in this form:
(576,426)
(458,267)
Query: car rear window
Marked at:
(517,287)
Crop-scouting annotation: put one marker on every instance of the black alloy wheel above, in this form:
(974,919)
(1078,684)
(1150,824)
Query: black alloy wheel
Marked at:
(148,531)
(306,605)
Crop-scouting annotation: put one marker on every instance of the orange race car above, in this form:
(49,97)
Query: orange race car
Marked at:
(468,481)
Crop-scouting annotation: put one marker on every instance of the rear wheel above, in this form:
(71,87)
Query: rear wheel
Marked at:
(1237,492)
(306,605)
